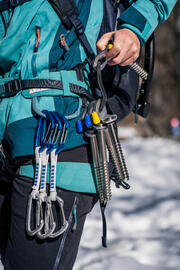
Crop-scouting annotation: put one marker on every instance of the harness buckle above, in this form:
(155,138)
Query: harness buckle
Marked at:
(13,87)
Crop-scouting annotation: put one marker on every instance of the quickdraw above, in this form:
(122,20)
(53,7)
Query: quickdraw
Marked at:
(51,133)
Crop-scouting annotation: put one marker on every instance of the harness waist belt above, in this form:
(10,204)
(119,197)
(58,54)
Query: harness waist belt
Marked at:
(12,87)
(72,176)
(80,154)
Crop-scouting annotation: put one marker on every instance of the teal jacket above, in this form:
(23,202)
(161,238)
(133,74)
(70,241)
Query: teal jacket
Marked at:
(18,59)
(143,16)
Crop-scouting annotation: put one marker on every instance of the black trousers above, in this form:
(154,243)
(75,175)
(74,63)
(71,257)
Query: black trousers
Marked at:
(30,253)
(5,191)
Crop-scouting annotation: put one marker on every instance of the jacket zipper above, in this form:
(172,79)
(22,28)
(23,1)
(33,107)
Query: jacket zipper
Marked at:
(33,62)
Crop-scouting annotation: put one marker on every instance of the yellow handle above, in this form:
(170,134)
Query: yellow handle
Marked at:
(110,45)
(95,118)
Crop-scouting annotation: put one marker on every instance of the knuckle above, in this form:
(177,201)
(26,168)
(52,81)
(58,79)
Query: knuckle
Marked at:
(134,58)
(117,47)
(130,42)
(98,44)
(136,55)
(116,61)
(111,54)
(135,48)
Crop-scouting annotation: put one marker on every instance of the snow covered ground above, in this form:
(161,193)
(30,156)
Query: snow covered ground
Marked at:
(143,222)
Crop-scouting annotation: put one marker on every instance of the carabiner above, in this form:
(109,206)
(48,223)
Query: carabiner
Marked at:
(64,226)
(40,224)
(63,118)
(35,110)
(38,132)
(101,56)
(47,219)
(57,130)
(46,142)
(64,132)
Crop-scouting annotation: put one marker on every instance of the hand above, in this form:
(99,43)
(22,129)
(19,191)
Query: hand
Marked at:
(126,47)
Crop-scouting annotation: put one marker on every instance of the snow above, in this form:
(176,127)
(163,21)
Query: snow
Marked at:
(127,132)
(143,222)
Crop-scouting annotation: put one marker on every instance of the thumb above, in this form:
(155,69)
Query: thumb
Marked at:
(103,41)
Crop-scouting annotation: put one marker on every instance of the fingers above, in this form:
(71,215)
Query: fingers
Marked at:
(126,47)
(103,41)
(125,57)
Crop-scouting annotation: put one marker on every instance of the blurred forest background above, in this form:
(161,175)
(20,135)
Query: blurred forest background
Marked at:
(165,89)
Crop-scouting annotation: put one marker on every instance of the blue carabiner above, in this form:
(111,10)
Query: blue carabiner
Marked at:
(56,132)
(43,130)
(57,119)
(60,148)
(49,116)
(63,118)
(64,132)
(37,132)
(47,131)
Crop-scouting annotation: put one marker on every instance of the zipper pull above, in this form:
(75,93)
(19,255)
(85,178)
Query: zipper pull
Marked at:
(63,42)
(38,39)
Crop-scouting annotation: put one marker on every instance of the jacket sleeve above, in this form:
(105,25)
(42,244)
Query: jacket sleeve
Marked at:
(143,16)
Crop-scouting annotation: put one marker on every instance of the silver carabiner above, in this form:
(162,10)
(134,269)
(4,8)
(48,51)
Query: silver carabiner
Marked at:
(48,219)
(100,56)
(39,225)
(64,226)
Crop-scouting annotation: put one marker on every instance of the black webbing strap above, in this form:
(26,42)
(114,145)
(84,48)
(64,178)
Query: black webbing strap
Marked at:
(68,13)
(81,91)
(61,8)
(17,85)
(7,4)
(13,87)
(79,28)
(104,236)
